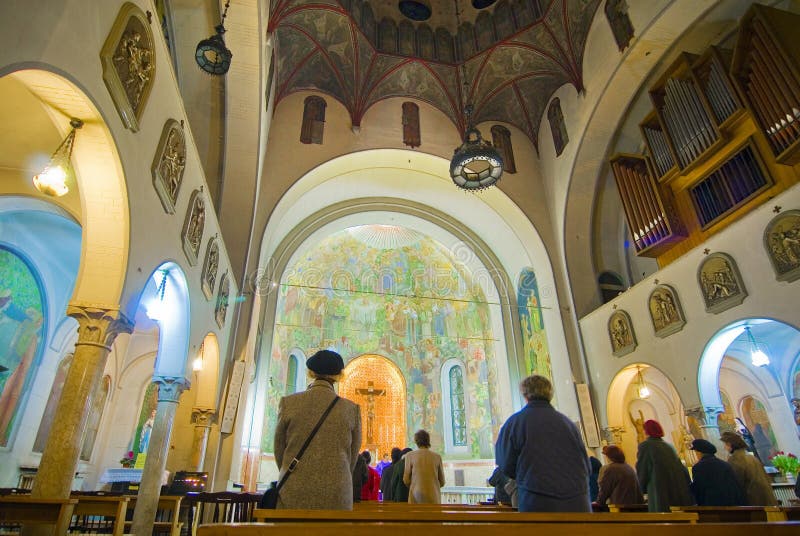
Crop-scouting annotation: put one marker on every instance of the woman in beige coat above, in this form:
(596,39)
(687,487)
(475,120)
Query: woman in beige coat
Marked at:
(749,472)
(423,473)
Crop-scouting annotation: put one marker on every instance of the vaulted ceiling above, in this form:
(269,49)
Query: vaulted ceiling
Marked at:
(514,56)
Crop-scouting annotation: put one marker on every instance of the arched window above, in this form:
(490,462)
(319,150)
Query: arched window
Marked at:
(295,373)
(611,285)
(501,139)
(557,126)
(454,406)
(95,416)
(621,26)
(411,134)
(406,39)
(387,36)
(313,120)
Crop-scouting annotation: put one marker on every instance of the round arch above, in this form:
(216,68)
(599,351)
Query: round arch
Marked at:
(99,175)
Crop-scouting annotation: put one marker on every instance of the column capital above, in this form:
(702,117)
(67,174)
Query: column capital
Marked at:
(204,416)
(613,434)
(170,387)
(97,325)
(705,415)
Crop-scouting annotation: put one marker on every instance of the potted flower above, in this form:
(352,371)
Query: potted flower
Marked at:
(128,460)
(787,464)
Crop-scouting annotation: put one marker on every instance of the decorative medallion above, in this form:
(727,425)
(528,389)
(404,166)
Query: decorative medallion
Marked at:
(720,283)
(665,311)
(210,267)
(620,331)
(192,233)
(782,240)
(129,65)
(221,310)
(169,164)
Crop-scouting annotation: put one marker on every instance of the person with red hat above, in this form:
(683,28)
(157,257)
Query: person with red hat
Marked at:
(661,474)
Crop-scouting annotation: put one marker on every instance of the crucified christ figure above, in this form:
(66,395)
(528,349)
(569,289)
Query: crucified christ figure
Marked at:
(370,393)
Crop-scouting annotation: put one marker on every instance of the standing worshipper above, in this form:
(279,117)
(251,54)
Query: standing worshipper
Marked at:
(543,451)
(749,472)
(713,480)
(360,477)
(617,482)
(369,491)
(423,472)
(386,475)
(661,474)
(595,465)
(399,488)
(323,478)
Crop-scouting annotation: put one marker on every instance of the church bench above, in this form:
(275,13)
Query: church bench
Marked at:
(734,514)
(565,528)
(464,516)
(627,507)
(94,513)
(22,509)
(375,505)
(167,518)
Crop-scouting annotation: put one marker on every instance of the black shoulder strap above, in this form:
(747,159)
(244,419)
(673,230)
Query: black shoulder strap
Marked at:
(296,459)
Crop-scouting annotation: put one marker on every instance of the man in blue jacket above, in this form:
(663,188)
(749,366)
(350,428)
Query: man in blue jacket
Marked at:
(543,450)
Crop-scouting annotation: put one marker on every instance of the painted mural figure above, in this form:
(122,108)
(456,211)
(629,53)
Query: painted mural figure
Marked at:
(147,430)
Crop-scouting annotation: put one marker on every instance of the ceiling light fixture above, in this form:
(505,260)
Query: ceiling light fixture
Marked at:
(211,54)
(757,356)
(53,178)
(643,389)
(476,164)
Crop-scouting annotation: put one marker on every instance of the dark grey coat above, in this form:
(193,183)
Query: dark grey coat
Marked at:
(662,475)
(323,478)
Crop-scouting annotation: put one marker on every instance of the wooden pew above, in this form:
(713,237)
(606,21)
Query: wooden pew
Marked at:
(167,519)
(91,507)
(627,507)
(463,516)
(734,514)
(565,528)
(394,506)
(22,509)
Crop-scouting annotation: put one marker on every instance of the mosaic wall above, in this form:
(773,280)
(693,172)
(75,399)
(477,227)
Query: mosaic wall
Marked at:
(534,339)
(21,331)
(398,294)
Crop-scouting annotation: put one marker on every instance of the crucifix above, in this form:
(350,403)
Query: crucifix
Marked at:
(370,392)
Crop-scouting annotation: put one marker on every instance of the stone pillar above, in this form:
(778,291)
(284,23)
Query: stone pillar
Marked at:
(202,418)
(97,329)
(169,391)
(706,417)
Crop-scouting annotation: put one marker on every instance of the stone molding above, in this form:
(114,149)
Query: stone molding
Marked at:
(170,387)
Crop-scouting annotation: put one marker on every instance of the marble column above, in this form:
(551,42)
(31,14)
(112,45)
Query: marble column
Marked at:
(202,418)
(169,391)
(97,329)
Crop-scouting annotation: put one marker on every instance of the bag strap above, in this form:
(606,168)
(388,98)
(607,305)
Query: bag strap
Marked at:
(297,457)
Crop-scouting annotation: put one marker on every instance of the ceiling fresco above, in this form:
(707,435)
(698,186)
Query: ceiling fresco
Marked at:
(515,55)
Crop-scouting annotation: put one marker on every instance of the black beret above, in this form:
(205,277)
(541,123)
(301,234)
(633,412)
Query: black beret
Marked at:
(325,362)
(703,446)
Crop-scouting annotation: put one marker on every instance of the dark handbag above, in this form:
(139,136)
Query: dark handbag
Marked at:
(270,498)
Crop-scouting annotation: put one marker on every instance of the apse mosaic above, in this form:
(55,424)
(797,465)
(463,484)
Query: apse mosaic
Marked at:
(395,293)
(21,333)
(534,339)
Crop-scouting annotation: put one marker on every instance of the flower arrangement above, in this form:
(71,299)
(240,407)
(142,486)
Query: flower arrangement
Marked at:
(128,460)
(785,463)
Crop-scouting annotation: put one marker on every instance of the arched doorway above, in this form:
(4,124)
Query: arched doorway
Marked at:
(378,387)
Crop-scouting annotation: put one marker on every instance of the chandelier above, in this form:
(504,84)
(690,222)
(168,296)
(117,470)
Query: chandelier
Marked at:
(53,178)
(476,164)
(211,54)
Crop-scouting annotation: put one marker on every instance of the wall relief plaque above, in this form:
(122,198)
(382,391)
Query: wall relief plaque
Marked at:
(210,267)
(221,309)
(665,311)
(620,332)
(192,234)
(129,64)
(720,283)
(782,240)
(169,164)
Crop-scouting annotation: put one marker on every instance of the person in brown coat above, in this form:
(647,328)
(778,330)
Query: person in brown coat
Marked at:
(749,472)
(617,481)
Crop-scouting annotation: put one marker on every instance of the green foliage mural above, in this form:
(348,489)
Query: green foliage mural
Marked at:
(394,292)
(21,331)
(534,338)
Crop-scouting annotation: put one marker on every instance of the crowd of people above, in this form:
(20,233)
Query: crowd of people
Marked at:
(542,462)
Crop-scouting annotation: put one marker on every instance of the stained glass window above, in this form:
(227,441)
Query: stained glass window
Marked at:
(291,375)
(458,418)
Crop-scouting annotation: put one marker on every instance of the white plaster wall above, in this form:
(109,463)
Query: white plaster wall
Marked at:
(678,355)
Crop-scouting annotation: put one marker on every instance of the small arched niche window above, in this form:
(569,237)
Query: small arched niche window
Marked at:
(454,406)
(411,134)
(611,285)
(313,120)
(295,373)
(557,126)
(621,26)
(501,139)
